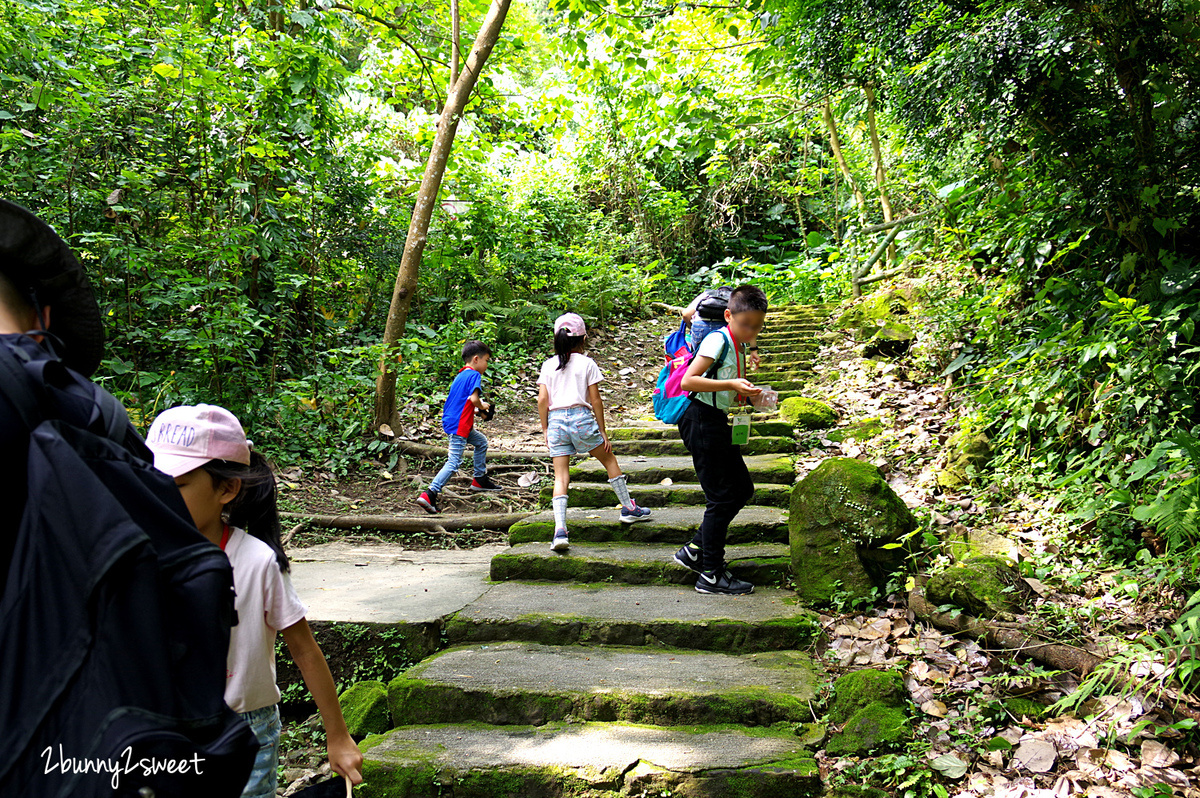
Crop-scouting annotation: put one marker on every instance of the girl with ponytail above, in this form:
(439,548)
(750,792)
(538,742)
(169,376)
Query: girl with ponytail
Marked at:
(572,415)
(230,492)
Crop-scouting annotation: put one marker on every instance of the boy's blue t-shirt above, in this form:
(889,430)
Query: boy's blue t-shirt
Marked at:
(458,416)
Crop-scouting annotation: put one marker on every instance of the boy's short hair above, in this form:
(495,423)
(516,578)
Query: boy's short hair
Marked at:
(13,299)
(473,348)
(747,297)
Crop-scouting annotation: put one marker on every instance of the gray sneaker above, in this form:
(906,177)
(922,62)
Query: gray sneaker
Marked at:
(560,542)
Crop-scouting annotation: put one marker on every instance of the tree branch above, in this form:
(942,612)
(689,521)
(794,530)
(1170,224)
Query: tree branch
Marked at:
(395,28)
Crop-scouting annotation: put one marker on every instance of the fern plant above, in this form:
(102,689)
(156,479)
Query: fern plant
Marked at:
(1159,667)
(1175,510)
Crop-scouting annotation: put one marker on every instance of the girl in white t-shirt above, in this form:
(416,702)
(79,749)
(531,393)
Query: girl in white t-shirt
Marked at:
(230,493)
(572,415)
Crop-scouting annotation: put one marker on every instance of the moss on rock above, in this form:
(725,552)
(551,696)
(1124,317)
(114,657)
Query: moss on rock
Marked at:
(859,431)
(874,728)
(988,587)
(365,708)
(1025,707)
(843,526)
(807,413)
(856,690)
(968,451)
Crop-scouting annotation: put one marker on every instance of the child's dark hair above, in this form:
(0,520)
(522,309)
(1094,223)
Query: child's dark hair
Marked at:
(254,508)
(747,297)
(564,345)
(473,348)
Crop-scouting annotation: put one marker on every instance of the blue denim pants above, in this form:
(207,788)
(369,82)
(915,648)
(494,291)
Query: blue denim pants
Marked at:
(458,445)
(264,778)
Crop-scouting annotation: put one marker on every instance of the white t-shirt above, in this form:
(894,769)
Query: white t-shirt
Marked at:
(710,347)
(265,603)
(569,387)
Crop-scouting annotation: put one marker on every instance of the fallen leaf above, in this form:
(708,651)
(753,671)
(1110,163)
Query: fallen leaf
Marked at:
(386,431)
(1157,755)
(667,482)
(950,766)
(1036,755)
(525,480)
(935,708)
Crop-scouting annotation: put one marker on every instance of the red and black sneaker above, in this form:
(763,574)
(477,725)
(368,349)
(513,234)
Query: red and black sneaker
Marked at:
(484,483)
(428,500)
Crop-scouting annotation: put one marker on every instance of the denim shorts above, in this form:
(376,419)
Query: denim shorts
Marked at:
(573,430)
(264,778)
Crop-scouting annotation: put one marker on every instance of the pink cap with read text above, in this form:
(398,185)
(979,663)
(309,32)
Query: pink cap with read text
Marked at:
(186,437)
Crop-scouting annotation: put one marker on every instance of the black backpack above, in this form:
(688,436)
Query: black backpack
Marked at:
(115,615)
(716,300)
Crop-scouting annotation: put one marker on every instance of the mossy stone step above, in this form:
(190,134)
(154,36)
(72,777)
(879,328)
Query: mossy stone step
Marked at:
(639,564)
(762,429)
(529,683)
(789,388)
(756,445)
(668,616)
(776,468)
(600,494)
(791,374)
(665,525)
(600,760)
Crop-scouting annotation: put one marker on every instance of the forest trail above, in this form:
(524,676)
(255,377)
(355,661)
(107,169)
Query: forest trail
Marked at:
(602,671)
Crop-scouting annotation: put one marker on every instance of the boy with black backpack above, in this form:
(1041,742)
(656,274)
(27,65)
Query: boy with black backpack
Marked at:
(718,385)
(116,612)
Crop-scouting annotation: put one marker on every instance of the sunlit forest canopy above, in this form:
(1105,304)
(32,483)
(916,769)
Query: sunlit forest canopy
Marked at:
(240,178)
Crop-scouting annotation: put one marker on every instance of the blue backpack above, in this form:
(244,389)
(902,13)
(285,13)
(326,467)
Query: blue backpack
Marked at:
(670,400)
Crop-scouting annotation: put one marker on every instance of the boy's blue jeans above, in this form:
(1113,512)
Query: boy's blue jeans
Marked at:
(457,445)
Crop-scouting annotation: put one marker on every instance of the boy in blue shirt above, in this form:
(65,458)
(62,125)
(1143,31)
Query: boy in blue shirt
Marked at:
(458,420)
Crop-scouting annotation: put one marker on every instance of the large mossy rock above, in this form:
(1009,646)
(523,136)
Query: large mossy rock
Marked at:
(842,517)
(857,689)
(876,321)
(968,451)
(987,587)
(807,413)
(871,705)
(365,708)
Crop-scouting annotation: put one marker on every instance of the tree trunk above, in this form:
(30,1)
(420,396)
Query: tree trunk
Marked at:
(418,229)
(835,144)
(880,172)
(455,56)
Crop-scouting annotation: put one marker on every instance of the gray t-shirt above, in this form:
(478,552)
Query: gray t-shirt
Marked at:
(732,365)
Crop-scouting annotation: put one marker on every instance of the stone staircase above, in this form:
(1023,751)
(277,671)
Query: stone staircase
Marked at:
(601,672)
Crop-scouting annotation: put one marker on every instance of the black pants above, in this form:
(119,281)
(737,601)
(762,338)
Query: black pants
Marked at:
(723,475)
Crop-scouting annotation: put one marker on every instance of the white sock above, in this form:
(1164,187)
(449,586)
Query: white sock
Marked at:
(621,487)
(560,513)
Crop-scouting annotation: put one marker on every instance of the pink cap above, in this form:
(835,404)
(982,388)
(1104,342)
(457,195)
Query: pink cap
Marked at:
(186,437)
(572,323)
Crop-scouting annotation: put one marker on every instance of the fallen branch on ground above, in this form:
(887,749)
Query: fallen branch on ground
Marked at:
(1004,636)
(397,523)
(668,308)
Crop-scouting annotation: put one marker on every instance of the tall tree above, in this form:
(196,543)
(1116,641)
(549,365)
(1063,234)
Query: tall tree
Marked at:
(431,183)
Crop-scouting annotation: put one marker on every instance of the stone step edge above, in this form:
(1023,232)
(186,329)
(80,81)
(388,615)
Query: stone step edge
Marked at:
(789,769)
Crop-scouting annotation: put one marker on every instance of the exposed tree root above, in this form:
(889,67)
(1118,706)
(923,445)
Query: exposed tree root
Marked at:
(1005,636)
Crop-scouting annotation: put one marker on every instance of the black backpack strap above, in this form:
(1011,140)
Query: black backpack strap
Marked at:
(14,384)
